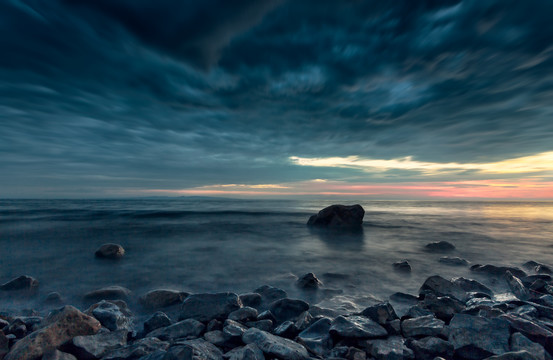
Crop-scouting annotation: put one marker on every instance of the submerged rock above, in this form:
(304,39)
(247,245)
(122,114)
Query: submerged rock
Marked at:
(274,346)
(453,261)
(402,266)
(439,286)
(339,217)
(206,307)
(110,251)
(471,285)
(114,292)
(161,298)
(270,293)
(23,282)
(439,246)
(497,270)
(59,327)
(309,281)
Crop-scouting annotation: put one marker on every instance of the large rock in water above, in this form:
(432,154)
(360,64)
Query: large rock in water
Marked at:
(59,327)
(339,217)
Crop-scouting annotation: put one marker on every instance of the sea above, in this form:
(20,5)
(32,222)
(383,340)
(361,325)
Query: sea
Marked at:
(214,245)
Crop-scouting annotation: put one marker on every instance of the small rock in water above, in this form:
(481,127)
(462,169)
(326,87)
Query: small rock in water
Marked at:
(53,298)
(110,251)
(339,217)
(161,298)
(402,266)
(453,260)
(114,292)
(286,330)
(23,282)
(439,246)
(309,281)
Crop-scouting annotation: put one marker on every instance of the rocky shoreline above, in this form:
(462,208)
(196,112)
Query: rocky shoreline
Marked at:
(451,319)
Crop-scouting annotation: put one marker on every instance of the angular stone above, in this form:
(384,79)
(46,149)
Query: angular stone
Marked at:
(270,293)
(4,344)
(444,307)
(243,314)
(381,313)
(471,285)
(490,335)
(521,342)
(183,329)
(114,292)
(24,282)
(513,355)
(286,330)
(531,329)
(339,217)
(251,299)
(422,326)
(205,307)
(138,349)
(156,321)
(392,348)
(57,355)
(516,286)
(110,251)
(439,246)
(111,316)
(272,345)
(430,347)
(441,287)
(59,327)
(216,337)
(356,327)
(309,281)
(316,338)
(195,349)
(543,269)
(233,329)
(162,298)
(53,298)
(265,325)
(93,347)
(287,309)
(402,266)
(497,270)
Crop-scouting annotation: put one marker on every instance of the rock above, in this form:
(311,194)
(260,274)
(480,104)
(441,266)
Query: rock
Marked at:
(304,320)
(516,286)
(441,287)
(197,349)
(161,298)
(266,315)
(156,321)
(216,337)
(287,309)
(521,342)
(243,314)
(497,270)
(439,246)
(430,347)
(531,264)
(417,311)
(233,329)
(270,293)
(543,269)
(392,348)
(381,313)
(479,333)
(531,329)
(108,293)
(339,217)
(110,251)
(251,299)
(402,265)
(309,281)
(57,355)
(205,307)
(286,330)
(356,327)
(18,329)
(183,329)
(248,352)
(470,285)
(265,325)
(422,326)
(139,348)
(275,346)
(4,344)
(111,316)
(316,337)
(94,347)
(214,325)
(513,355)
(53,298)
(453,261)
(23,282)
(59,327)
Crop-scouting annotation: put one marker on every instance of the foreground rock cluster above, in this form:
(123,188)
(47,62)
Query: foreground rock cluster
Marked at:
(450,318)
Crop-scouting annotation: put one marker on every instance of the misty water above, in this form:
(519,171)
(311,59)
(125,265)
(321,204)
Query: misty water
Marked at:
(209,245)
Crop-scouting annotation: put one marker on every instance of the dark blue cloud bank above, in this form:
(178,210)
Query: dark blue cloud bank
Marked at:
(99,96)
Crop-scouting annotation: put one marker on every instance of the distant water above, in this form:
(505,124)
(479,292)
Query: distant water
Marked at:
(237,245)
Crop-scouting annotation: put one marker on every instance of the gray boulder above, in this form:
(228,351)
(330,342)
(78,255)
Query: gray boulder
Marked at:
(110,251)
(439,286)
(161,298)
(339,217)
(287,309)
(358,327)
(309,281)
(24,282)
(94,347)
(439,246)
(516,286)
(156,321)
(138,349)
(183,329)
(114,292)
(316,337)
(422,326)
(274,346)
(453,261)
(248,352)
(58,355)
(430,347)
(195,349)
(243,314)
(111,316)
(521,342)
(206,307)
(392,348)
(479,333)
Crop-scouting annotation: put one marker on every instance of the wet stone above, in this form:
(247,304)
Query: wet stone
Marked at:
(356,327)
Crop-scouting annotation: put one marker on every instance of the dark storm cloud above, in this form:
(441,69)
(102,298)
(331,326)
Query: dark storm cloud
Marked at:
(169,94)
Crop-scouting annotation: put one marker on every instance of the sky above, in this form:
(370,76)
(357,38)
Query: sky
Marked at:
(426,99)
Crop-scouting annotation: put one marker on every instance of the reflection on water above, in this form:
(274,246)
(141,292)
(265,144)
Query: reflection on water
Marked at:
(220,245)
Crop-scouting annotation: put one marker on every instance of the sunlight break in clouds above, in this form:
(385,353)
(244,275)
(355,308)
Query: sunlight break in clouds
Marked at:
(527,164)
